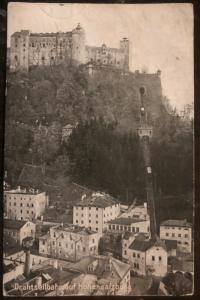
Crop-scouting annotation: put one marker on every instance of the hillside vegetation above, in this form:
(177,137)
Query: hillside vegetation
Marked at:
(104,151)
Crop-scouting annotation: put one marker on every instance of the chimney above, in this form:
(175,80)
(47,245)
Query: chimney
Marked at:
(27,262)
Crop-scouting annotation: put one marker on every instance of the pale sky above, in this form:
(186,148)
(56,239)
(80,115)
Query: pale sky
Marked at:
(161,35)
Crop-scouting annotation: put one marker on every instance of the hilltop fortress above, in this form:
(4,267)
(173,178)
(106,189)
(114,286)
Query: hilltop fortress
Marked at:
(32,49)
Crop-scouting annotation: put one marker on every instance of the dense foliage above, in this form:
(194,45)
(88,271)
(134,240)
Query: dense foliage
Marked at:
(103,151)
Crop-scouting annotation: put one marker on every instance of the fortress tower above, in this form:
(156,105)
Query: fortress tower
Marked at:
(125,47)
(19,54)
(78,44)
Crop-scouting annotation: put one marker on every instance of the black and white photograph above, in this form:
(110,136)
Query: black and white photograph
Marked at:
(98,188)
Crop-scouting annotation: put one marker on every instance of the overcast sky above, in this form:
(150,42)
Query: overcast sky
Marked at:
(161,35)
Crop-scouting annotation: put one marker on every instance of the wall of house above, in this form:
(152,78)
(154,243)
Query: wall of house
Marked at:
(183,236)
(94,218)
(137,261)
(61,244)
(135,227)
(156,259)
(23,206)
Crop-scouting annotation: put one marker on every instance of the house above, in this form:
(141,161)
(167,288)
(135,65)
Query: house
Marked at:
(19,230)
(139,211)
(135,225)
(25,204)
(47,280)
(147,256)
(70,242)
(180,231)
(109,276)
(94,210)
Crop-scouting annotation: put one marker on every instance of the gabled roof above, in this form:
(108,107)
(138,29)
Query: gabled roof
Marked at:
(176,223)
(125,221)
(35,176)
(14,224)
(97,199)
(139,244)
(142,246)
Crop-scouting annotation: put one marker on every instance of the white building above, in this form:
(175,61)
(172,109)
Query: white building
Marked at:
(120,225)
(95,210)
(18,229)
(147,257)
(139,211)
(180,231)
(23,204)
(70,242)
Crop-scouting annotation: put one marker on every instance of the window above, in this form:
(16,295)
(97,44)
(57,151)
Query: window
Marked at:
(97,208)
(96,229)
(89,221)
(109,226)
(72,246)
(167,234)
(186,235)
(186,243)
(82,208)
(96,222)
(179,235)
(81,215)
(153,258)
(27,211)
(133,254)
(81,222)
(137,266)
(159,258)
(125,252)
(138,255)
(89,208)
(27,204)
(179,242)
(14,203)
(77,214)
(59,244)
(66,245)
(93,241)
(53,243)
(125,245)
(32,44)
(43,242)
(173,234)
(89,215)
(137,229)
(43,45)
(96,216)
(76,221)
(21,211)
(83,249)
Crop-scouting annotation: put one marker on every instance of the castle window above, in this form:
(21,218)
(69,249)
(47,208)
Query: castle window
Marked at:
(24,45)
(33,45)
(43,45)
(16,58)
(42,57)
(52,58)
(16,45)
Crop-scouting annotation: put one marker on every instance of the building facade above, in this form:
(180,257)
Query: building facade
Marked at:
(121,225)
(19,230)
(180,231)
(24,204)
(95,210)
(31,49)
(147,257)
(69,242)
